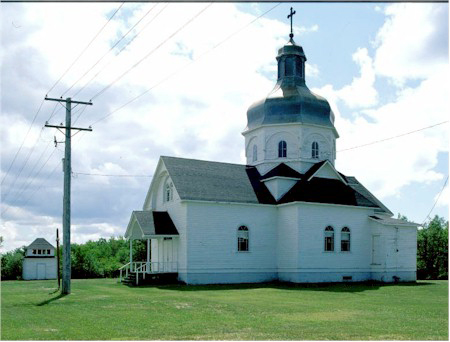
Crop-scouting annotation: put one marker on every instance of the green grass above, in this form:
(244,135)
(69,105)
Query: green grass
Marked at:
(102,309)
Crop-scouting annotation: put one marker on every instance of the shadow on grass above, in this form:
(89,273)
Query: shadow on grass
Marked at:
(327,287)
(48,301)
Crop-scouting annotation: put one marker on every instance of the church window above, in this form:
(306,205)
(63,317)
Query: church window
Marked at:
(282,148)
(242,239)
(315,150)
(329,239)
(48,251)
(298,67)
(289,65)
(255,153)
(34,251)
(168,193)
(345,239)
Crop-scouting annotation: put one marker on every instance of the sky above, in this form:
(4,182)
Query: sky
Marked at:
(177,80)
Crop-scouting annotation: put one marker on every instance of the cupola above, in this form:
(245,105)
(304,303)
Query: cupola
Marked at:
(291,124)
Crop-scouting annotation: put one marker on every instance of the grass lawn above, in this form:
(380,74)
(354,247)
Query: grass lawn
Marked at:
(102,309)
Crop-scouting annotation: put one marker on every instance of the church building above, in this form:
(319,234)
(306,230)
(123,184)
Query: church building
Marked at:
(286,215)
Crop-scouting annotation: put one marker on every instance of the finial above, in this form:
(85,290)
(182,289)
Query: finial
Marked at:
(291,35)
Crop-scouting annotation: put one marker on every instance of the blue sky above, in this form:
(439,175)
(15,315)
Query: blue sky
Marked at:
(382,67)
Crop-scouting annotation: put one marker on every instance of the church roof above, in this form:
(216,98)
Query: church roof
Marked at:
(40,243)
(210,181)
(291,101)
(392,221)
(154,222)
(225,182)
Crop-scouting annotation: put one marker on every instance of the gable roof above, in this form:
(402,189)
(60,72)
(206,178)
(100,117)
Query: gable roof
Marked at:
(314,170)
(225,182)
(153,223)
(210,181)
(40,243)
(282,170)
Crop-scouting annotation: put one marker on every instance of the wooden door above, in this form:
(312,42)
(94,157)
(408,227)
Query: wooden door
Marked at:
(40,271)
(376,250)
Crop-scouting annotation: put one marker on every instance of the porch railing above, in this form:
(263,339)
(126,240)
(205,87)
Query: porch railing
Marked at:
(148,268)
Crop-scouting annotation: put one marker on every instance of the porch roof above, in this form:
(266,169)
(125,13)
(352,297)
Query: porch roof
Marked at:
(150,224)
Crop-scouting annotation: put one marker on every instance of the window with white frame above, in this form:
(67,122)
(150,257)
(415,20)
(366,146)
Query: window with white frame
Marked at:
(242,239)
(315,150)
(282,149)
(168,192)
(255,153)
(329,239)
(345,239)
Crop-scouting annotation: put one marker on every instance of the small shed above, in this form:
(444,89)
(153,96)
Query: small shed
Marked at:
(40,261)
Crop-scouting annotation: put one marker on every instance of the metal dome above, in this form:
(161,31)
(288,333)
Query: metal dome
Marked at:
(290,101)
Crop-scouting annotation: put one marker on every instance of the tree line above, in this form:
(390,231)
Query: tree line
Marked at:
(93,259)
(102,258)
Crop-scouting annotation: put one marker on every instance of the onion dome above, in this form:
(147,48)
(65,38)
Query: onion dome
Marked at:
(290,101)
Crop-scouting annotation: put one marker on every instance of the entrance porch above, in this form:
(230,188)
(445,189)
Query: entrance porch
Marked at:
(161,235)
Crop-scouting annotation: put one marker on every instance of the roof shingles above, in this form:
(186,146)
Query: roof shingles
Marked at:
(224,182)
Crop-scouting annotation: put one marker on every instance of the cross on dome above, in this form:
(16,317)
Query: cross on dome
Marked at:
(291,35)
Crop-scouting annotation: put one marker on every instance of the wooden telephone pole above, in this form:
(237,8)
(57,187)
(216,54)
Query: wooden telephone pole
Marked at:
(66,270)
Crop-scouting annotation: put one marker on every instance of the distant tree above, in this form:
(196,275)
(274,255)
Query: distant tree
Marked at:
(1,241)
(402,217)
(432,250)
(12,264)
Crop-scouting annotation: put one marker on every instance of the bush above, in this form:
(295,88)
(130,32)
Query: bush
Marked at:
(12,264)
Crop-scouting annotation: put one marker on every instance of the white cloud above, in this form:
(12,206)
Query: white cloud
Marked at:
(395,163)
(413,40)
(361,92)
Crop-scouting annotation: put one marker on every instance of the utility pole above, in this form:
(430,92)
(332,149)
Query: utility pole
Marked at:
(66,271)
(57,258)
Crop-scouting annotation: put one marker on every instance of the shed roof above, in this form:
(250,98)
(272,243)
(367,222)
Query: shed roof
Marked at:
(154,222)
(40,243)
(392,221)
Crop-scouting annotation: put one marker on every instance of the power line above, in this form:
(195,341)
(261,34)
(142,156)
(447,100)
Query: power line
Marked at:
(120,51)
(82,52)
(23,141)
(151,52)
(105,175)
(183,67)
(37,188)
(112,48)
(394,137)
(27,185)
(437,199)
(21,169)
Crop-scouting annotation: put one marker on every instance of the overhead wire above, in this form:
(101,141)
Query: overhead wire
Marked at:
(120,51)
(23,141)
(435,202)
(112,48)
(393,137)
(151,52)
(109,175)
(35,190)
(84,50)
(183,67)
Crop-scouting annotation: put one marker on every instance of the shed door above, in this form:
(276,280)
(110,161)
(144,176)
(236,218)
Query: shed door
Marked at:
(40,271)
(376,253)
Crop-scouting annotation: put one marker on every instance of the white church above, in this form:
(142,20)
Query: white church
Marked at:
(287,215)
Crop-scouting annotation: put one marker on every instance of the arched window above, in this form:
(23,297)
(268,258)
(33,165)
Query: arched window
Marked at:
(168,192)
(255,153)
(329,239)
(282,148)
(345,239)
(315,150)
(242,239)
